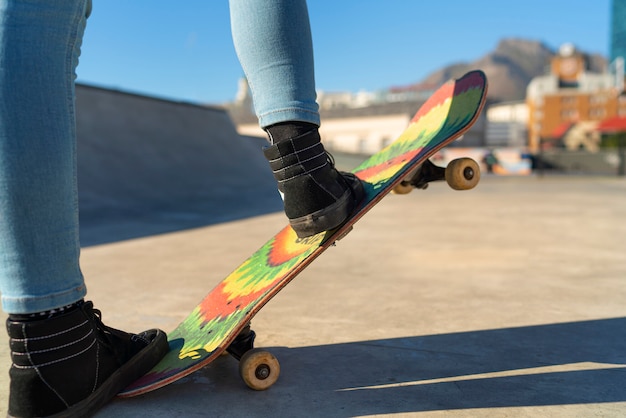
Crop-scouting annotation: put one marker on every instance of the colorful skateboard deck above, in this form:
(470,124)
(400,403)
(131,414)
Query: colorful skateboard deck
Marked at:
(219,318)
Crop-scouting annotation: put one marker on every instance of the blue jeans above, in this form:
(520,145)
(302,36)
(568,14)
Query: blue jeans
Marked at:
(274,46)
(39,49)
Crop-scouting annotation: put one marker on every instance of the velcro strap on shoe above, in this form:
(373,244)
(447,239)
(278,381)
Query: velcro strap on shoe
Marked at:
(32,348)
(296,157)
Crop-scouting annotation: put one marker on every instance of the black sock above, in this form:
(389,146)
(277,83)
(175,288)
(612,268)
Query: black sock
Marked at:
(288,130)
(45,314)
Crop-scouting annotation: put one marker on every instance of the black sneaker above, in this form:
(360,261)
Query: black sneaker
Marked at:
(316,196)
(72,364)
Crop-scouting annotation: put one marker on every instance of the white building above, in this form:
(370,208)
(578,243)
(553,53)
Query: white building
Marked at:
(507,125)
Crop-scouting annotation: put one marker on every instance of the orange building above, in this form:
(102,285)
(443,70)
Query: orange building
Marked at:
(568,103)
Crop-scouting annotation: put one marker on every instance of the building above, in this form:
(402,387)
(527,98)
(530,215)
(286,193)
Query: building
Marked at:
(507,125)
(572,95)
(618,29)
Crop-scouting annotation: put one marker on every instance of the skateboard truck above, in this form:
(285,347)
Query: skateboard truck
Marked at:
(460,174)
(424,174)
(242,343)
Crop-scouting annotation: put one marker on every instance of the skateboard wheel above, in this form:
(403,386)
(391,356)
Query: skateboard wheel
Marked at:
(462,174)
(402,188)
(259,369)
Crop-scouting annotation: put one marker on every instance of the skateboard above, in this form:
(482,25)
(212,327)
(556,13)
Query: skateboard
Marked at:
(220,322)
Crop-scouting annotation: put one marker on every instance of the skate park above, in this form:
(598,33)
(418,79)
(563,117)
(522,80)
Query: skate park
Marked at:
(507,300)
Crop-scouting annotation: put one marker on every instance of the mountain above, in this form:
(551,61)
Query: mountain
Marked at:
(509,68)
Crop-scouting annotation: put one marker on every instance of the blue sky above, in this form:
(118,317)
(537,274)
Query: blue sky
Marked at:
(183,50)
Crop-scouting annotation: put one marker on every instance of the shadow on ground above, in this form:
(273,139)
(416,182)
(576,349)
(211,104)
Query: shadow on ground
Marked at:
(113,225)
(560,364)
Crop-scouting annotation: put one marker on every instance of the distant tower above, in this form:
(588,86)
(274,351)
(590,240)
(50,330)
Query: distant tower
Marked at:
(568,66)
(618,29)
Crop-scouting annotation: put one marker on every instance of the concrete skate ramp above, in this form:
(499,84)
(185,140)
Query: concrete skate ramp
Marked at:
(148,166)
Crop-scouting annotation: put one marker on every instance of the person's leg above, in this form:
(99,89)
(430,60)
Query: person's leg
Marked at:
(39,248)
(273,42)
(63,357)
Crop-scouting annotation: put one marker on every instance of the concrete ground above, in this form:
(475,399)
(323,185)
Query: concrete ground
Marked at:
(509,300)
